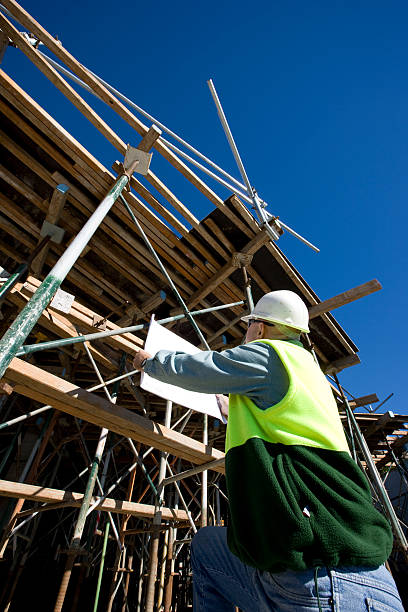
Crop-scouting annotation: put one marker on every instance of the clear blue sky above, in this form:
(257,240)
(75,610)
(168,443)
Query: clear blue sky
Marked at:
(316,94)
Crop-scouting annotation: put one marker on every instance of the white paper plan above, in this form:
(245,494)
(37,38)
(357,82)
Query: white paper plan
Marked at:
(159,338)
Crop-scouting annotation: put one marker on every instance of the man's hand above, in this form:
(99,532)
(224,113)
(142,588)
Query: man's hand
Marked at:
(139,358)
(223,403)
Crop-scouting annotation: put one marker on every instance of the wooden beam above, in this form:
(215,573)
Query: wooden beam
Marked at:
(396,446)
(344,298)
(95,119)
(382,420)
(64,325)
(4,43)
(364,400)
(87,166)
(44,387)
(136,311)
(55,46)
(55,207)
(340,364)
(37,493)
(256,243)
(307,293)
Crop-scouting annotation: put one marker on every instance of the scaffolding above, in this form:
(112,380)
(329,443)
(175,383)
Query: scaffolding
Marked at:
(104,485)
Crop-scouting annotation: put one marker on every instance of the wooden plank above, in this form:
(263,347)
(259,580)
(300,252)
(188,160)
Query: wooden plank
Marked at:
(382,421)
(42,386)
(223,240)
(344,298)
(96,120)
(58,324)
(340,364)
(64,325)
(60,83)
(306,292)
(251,224)
(40,494)
(46,123)
(56,205)
(21,187)
(84,318)
(24,18)
(397,446)
(364,400)
(256,243)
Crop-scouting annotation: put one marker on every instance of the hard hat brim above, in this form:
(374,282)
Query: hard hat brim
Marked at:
(246,318)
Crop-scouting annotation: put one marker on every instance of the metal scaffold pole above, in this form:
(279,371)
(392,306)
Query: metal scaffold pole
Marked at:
(154,546)
(28,317)
(376,478)
(74,548)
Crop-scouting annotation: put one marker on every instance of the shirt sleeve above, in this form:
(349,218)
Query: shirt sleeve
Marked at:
(252,369)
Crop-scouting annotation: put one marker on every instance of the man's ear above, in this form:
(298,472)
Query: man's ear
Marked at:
(261,330)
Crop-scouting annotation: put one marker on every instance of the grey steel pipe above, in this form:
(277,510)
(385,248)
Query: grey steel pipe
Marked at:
(196,470)
(154,546)
(147,115)
(52,344)
(28,317)
(381,491)
(165,274)
(83,513)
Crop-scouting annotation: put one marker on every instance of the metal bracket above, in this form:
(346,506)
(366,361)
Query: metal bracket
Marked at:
(99,322)
(133,154)
(56,233)
(62,301)
(241,259)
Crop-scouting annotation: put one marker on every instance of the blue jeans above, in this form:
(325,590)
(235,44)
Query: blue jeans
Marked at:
(221,582)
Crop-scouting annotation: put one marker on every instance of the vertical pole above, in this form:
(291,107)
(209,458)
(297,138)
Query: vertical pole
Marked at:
(163,571)
(248,292)
(28,317)
(372,468)
(141,572)
(251,191)
(168,595)
(127,580)
(204,479)
(74,547)
(98,586)
(29,472)
(154,546)
(122,539)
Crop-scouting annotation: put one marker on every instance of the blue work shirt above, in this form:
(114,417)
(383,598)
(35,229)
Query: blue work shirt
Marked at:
(253,369)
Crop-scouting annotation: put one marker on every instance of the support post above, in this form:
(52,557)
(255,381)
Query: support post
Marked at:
(154,547)
(98,586)
(376,479)
(74,547)
(204,479)
(28,317)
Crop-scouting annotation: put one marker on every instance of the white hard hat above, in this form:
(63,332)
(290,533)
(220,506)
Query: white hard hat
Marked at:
(282,307)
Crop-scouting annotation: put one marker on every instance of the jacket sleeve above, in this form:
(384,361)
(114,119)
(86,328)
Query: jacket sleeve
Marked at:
(244,370)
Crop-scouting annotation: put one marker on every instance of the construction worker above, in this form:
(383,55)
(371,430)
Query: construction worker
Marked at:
(303,533)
